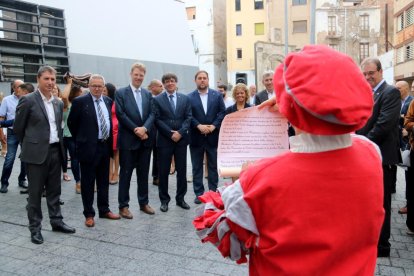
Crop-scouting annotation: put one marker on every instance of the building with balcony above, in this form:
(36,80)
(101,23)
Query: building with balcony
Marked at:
(359,28)
(404,40)
(256,36)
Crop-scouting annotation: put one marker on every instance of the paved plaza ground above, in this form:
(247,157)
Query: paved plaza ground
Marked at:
(162,244)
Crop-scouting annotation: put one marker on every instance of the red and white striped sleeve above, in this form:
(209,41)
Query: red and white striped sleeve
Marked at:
(226,221)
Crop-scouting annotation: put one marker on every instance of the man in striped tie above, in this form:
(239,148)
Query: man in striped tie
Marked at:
(90,124)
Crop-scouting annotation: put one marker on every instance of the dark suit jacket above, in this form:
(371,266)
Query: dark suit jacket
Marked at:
(382,127)
(233,108)
(261,97)
(166,119)
(129,118)
(214,116)
(31,126)
(83,126)
(404,109)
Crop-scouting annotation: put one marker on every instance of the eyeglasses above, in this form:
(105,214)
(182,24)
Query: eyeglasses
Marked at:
(96,86)
(369,73)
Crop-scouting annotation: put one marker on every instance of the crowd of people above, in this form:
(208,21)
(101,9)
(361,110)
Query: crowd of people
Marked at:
(102,134)
(109,132)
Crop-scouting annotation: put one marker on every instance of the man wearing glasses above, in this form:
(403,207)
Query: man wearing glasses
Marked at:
(90,123)
(382,129)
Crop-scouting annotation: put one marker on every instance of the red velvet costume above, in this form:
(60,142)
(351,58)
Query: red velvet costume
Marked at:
(316,210)
(320,214)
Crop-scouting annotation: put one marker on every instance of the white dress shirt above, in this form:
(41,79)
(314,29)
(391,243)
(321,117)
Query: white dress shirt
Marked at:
(204,98)
(53,136)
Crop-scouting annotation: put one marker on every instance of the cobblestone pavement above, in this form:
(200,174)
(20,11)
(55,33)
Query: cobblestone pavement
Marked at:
(163,244)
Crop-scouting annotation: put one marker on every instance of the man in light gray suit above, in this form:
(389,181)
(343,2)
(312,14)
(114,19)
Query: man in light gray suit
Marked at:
(37,125)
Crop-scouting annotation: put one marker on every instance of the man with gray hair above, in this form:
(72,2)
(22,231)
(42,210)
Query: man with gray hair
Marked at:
(90,123)
(382,129)
(268,92)
(37,125)
(7,112)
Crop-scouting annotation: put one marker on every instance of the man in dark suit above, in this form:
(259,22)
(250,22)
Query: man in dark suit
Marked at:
(155,87)
(37,125)
(90,123)
(208,109)
(172,118)
(268,92)
(406,99)
(382,129)
(135,117)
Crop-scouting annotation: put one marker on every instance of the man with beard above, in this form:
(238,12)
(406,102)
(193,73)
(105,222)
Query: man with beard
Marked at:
(208,111)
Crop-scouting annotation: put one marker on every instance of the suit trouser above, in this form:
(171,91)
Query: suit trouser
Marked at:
(410,194)
(129,160)
(180,157)
(197,156)
(97,168)
(388,177)
(45,175)
(155,164)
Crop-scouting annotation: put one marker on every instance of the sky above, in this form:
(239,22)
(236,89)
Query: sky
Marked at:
(147,30)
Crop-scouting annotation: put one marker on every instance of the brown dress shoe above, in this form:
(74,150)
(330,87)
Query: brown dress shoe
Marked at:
(89,222)
(125,213)
(403,210)
(78,188)
(147,209)
(109,215)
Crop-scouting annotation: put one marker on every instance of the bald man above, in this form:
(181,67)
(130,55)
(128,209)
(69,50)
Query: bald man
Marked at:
(155,87)
(7,112)
(406,99)
(252,93)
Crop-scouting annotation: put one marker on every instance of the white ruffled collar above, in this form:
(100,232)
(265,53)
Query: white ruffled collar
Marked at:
(309,143)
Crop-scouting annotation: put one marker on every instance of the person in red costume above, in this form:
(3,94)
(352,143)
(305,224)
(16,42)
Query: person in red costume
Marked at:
(317,209)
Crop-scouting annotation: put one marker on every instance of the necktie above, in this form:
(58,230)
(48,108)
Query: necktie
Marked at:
(139,101)
(172,102)
(104,128)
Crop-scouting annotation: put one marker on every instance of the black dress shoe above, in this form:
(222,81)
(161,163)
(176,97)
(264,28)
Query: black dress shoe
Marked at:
(23,184)
(197,201)
(37,237)
(62,227)
(24,192)
(164,207)
(3,189)
(183,205)
(61,202)
(383,252)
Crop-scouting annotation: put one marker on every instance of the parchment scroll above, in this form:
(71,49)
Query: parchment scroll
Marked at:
(249,135)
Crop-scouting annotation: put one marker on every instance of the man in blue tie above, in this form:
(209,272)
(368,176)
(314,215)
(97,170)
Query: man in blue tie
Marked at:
(172,118)
(90,123)
(136,119)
